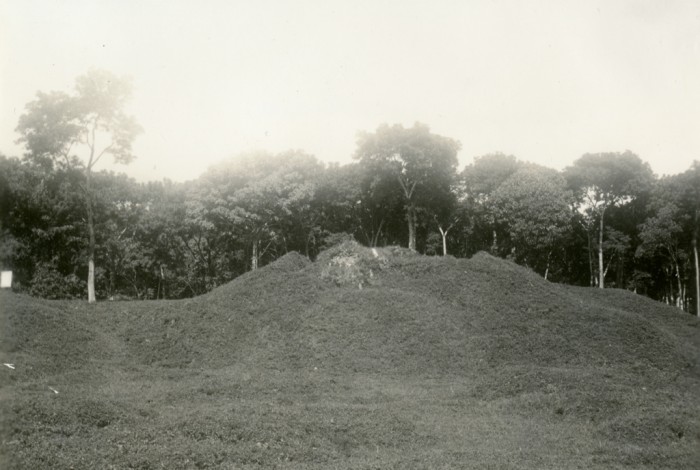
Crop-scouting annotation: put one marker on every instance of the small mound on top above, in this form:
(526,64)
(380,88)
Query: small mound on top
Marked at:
(351,264)
(250,283)
(289,263)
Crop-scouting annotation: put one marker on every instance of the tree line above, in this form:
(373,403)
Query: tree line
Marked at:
(68,230)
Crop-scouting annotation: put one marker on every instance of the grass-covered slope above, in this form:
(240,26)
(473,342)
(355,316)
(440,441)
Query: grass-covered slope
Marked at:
(363,359)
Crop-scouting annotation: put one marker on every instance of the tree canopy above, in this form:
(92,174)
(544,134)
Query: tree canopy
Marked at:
(162,239)
(59,129)
(422,164)
(601,181)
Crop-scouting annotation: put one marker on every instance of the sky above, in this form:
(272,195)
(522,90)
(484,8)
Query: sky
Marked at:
(544,80)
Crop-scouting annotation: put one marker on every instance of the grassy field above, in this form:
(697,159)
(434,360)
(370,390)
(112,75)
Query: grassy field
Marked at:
(361,360)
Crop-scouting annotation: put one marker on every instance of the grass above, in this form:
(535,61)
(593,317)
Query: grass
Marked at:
(378,361)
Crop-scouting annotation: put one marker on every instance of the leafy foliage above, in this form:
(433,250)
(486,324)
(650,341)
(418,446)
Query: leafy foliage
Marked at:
(91,122)
(601,182)
(49,283)
(535,208)
(416,163)
(175,240)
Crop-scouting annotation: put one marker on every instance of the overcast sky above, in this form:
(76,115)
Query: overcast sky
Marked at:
(546,81)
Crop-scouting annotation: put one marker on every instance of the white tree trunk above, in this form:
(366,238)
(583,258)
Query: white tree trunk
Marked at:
(254,257)
(601,271)
(444,240)
(411,216)
(91,280)
(679,299)
(697,278)
(91,235)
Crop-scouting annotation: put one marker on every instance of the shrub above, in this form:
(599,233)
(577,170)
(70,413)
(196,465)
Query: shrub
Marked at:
(49,283)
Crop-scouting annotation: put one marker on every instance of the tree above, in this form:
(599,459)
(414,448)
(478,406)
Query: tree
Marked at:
(479,181)
(338,200)
(422,164)
(124,258)
(445,227)
(663,232)
(91,122)
(447,214)
(40,221)
(177,244)
(536,207)
(672,229)
(604,180)
(691,178)
(262,201)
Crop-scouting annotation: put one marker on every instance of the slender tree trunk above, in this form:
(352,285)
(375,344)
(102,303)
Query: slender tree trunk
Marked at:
(254,256)
(590,259)
(679,299)
(601,272)
(112,280)
(377,233)
(91,236)
(672,296)
(621,272)
(408,189)
(696,230)
(162,278)
(411,216)
(90,214)
(444,241)
(697,275)
(684,297)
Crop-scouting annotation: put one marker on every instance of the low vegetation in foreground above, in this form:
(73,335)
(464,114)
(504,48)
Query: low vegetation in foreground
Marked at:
(364,359)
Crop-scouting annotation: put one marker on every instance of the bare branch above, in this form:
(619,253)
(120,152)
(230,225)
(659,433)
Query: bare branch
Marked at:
(105,150)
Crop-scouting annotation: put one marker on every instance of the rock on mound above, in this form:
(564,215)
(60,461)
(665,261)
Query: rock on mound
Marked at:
(350,263)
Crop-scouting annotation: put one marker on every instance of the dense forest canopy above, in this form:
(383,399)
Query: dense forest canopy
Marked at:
(604,221)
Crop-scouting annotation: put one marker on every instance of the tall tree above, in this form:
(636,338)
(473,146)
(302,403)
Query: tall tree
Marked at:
(687,199)
(40,221)
(692,180)
(78,130)
(176,243)
(422,164)
(604,180)
(536,207)
(479,181)
(446,218)
(261,200)
(663,233)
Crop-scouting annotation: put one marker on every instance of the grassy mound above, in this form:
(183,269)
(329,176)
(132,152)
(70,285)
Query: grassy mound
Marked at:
(364,359)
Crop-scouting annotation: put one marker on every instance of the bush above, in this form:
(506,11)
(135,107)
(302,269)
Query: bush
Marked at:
(49,283)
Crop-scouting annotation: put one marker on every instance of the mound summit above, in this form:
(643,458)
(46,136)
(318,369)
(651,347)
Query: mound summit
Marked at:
(366,358)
